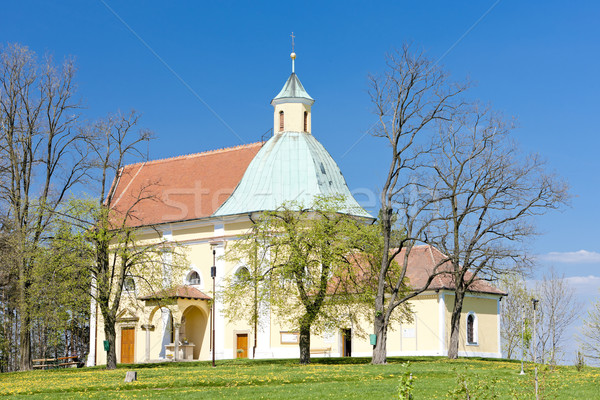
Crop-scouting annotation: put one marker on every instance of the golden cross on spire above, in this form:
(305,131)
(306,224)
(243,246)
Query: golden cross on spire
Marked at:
(292,35)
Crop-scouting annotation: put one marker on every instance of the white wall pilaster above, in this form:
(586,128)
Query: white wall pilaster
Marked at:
(91,359)
(219,248)
(442,322)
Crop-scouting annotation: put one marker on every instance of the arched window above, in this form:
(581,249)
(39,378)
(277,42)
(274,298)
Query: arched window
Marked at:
(471,328)
(129,284)
(280,121)
(193,278)
(242,275)
(305,121)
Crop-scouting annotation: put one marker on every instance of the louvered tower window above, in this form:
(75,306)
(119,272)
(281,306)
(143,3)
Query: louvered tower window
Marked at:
(305,121)
(280,121)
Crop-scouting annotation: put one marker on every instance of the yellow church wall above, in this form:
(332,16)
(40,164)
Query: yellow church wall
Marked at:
(360,343)
(237,228)
(421,336)
(485,308)
(232,329)
(427,322)
(146,237)
(202,232)
(200,257)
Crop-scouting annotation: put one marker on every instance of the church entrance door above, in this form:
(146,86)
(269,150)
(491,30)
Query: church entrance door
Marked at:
(242,345)
(127,345)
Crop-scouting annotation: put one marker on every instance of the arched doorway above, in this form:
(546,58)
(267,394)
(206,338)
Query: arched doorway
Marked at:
(193,328)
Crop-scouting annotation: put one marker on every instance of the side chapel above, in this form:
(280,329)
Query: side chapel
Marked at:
(208,199)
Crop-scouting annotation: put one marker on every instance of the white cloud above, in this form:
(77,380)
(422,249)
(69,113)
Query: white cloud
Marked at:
(587,288)
(572,257)
(589,280)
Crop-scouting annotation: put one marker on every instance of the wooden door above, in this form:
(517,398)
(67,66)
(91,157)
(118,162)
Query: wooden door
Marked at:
(127,345)
(242,345)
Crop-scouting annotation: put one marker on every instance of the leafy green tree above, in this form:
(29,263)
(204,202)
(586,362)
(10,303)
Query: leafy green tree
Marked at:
(60,285)
(298,263)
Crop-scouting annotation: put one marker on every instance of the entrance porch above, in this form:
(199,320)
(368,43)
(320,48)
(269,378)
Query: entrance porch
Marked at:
(177,327)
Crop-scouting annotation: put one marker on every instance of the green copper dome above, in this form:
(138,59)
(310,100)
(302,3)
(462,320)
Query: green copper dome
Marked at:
(291,166)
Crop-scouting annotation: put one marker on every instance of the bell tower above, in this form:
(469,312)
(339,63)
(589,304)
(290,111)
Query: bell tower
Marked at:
(292,105)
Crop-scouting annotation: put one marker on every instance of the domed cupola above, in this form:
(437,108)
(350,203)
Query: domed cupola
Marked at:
(292,166)
(292,106)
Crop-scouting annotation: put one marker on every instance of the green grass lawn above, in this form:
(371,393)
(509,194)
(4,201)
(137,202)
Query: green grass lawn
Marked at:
(285,379)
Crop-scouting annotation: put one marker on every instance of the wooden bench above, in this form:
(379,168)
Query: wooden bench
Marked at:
(60,362)
(326,351)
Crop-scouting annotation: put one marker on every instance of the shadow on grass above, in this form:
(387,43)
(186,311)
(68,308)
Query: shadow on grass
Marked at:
(243,362)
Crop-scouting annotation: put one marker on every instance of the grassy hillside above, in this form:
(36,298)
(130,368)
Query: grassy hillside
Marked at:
(285,379)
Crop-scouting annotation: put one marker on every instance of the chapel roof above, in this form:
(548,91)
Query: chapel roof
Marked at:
(291,166)
(421,262)
(180,188)
(293,89)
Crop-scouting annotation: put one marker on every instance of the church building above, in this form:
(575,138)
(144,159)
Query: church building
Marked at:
(208,199)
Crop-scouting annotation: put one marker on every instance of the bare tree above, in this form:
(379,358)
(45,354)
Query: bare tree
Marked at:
(110,228)
(513,306)
(589,337)
(487,195)
(558,309)
(42,159)
(412,94)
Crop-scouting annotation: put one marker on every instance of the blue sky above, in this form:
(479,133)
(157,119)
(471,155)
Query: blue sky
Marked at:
(536,62)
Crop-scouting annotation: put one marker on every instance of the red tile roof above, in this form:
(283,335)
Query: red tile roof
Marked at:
(421,262)
(179,292)
(180,188)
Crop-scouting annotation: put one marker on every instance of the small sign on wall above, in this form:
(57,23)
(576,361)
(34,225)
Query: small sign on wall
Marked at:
(409,333)
(289,337)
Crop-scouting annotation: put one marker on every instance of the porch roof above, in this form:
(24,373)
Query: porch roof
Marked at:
(178,292)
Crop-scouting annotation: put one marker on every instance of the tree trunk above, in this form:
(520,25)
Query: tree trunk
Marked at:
(25,342)
(304,344)
(25,319)
(459,296)
(380,349)
(111,356)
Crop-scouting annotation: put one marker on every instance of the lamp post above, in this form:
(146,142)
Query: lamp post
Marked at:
(213,274)
(535,301)
(522,337)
